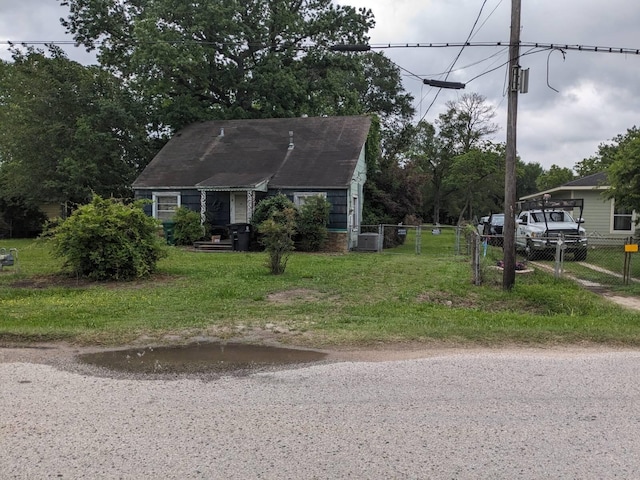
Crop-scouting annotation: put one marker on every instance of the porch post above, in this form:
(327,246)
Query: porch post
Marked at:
(203,206)
(251,199)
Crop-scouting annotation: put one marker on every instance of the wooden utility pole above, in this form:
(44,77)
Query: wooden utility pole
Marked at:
(509,231)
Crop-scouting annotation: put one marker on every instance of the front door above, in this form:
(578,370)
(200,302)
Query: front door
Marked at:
(238,207)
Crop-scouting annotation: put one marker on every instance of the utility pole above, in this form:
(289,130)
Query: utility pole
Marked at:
(509,231)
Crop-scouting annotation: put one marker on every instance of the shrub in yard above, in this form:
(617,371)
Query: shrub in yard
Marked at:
(313,219)
(277,237)
(187,228)
(267,207)
(108,240)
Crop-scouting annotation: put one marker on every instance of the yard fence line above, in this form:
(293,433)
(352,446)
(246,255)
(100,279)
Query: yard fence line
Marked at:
(609,261)
(413,239)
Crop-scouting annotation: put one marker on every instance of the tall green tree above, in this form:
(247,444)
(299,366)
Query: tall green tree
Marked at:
(193,61)
(429,158)
(477,180)
(465,127)
(68,131)
(554,177)
(526,177)
(624,175)
(606,153)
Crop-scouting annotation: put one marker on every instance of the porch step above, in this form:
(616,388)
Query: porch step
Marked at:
(221,246)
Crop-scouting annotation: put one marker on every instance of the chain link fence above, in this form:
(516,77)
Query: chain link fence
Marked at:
(605,261)
(413,239)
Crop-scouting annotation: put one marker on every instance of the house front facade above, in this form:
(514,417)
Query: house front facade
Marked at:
(602,217)
(222,169)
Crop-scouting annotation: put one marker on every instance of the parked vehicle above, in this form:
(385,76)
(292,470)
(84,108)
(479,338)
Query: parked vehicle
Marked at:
(481,224)
(546,224)
(494,229)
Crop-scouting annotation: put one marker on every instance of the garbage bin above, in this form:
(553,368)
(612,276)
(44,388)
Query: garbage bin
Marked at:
(168,227)
(240,236)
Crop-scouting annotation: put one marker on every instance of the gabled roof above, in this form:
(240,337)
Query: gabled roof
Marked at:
(285,152)
(595,181)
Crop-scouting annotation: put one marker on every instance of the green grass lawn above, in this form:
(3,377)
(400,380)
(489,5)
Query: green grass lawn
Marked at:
(321,300)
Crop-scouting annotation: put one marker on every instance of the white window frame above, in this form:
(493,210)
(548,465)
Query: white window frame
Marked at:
(615,215)
(157,212)
(299,198)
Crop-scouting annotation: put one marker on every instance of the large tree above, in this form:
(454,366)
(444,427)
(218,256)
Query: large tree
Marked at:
(527,177)
(68,131)
(554,177)
(465,127)
(624,175)
(606,153)
(210,59)
(477,180)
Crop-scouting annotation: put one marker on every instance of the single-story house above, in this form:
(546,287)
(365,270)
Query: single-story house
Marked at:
(222,169)
(602,218)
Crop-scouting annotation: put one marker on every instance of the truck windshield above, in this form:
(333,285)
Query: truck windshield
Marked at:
(551,217)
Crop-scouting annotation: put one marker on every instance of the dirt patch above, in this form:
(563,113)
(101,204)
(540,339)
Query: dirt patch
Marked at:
(448,300)
(64,355)
(295,295)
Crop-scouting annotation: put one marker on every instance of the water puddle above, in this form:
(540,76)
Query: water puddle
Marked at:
(199,358)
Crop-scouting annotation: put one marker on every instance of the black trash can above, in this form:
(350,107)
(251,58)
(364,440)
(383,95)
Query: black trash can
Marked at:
(240,236)
(169,228)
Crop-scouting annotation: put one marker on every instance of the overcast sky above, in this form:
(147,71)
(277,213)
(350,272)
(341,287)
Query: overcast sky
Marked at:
(598,93)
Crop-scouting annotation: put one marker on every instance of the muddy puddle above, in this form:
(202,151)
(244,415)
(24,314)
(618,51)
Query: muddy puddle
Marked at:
(199,358)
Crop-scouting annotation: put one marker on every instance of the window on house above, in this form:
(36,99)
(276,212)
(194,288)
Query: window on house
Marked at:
(165,205)
(623,219)
(300,198)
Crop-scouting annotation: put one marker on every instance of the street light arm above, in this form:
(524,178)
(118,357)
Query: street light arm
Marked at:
(443,84)
(358,47)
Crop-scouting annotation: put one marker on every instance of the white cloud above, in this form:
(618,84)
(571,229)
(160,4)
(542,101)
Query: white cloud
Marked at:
(599,93)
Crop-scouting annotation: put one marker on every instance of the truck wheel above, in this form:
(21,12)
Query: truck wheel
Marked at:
(530,252)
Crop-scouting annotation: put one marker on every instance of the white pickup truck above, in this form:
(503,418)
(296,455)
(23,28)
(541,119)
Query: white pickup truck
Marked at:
(545,224)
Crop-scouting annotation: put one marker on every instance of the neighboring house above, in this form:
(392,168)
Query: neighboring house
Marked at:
(601,215)
(222,169)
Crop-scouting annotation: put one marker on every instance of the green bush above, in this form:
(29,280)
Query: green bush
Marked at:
(277,237)
(266,208)
(108,240)
(313,219)
(187,228)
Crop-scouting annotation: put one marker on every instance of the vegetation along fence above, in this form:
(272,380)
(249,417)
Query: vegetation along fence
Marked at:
(413,239)
(607,261)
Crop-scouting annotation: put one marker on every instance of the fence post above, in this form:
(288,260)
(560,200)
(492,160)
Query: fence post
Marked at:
(475,258)
(559,257)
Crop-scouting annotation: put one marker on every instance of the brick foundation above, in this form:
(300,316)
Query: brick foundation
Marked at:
(337,242)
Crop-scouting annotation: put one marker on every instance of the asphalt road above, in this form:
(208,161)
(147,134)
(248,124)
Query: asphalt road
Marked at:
(524,414)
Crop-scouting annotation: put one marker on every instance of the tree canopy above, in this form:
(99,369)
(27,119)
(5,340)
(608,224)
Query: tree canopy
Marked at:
(624,173)
(554,177)
(193,61)
(68,131)
(606,153)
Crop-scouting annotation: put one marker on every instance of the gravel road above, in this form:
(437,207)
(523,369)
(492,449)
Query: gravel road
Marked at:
(486,414)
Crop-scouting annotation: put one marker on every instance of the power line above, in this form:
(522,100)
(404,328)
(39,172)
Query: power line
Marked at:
(379,46)
(455,59)
(563,46)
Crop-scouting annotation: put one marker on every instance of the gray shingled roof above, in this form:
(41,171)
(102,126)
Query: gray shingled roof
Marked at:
(595,180)
(244,153)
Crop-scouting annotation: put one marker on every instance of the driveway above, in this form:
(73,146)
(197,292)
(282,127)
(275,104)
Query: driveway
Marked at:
(438,414)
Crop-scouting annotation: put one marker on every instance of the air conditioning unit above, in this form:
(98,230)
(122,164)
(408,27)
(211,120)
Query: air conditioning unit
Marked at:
(368,242)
